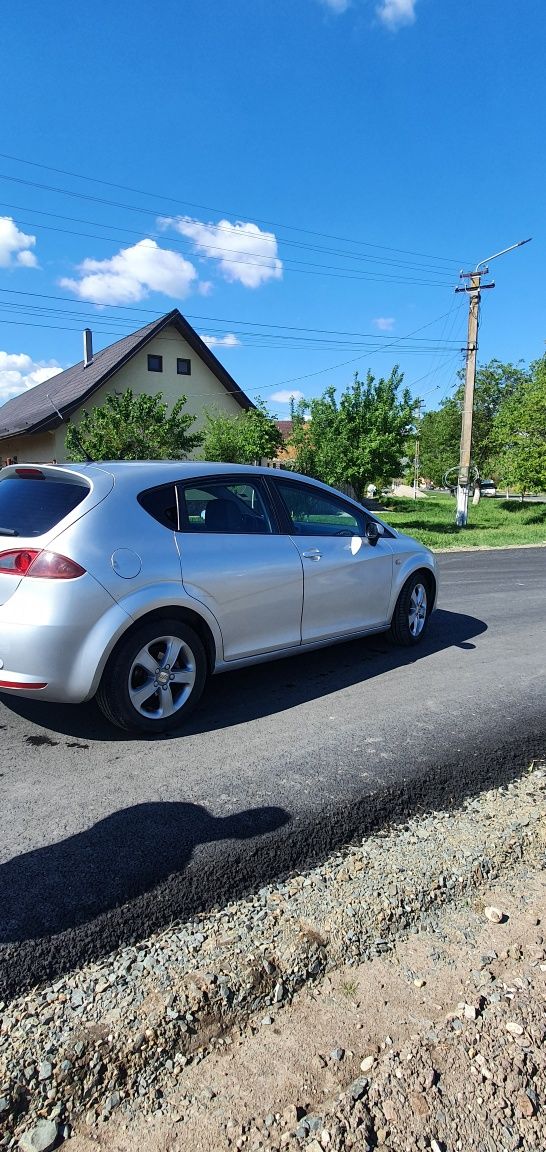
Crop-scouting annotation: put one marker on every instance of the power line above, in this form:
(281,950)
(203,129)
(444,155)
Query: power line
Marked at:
(279,384)
(445,335)
(264,262)
(206,208)
(261,340)
(402,264)
(292,328)
(353,360)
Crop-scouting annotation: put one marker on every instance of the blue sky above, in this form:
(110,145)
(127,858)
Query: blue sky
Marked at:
(304,179)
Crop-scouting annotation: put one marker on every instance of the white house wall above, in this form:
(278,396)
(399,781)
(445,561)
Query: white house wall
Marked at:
(32,449)
(202,388)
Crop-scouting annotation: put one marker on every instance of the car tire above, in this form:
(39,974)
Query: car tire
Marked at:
(412,611)
(154,677)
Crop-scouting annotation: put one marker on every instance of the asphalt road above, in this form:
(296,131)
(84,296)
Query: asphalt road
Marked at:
(104,838)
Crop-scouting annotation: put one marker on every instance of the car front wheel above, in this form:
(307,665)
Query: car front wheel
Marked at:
(154,678)
(410,616)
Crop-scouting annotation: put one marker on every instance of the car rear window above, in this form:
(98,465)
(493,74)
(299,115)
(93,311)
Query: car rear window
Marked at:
(30,506)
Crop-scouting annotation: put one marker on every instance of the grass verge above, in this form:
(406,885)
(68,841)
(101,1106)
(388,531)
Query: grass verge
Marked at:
(491,524)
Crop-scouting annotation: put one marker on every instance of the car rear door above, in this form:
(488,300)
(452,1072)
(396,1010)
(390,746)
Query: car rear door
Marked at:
(235,561)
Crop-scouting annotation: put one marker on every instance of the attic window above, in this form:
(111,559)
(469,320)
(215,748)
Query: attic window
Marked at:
(155,363)
(183,367)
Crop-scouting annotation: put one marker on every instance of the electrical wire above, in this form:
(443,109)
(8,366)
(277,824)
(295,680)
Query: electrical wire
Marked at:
(353,360)
(81,316)
(205,208)
(402,264)
(251,340)
(445,335)
(266,263)
(266,339)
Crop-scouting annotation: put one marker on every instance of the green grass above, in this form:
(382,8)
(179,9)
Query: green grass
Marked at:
(492,523)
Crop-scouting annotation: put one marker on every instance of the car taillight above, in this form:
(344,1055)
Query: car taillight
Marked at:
(17,562)
(35,562)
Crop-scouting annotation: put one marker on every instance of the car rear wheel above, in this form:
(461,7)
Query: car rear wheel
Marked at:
(154,677)
(410,616)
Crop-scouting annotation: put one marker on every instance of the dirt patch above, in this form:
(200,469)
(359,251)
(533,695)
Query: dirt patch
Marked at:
(438,1045)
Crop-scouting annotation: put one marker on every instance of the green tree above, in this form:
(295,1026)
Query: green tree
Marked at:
(244,439)
(495,384)
(131,427)
(439,440)
(520,433)
(441,431)
(359,439)
(301,439)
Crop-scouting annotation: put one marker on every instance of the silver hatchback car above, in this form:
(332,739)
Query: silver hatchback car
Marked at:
(132,582)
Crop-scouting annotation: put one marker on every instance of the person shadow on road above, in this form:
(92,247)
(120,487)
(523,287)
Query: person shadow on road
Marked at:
(143,854)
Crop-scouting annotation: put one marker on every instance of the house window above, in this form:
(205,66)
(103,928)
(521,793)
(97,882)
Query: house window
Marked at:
(183,367)
(155,363)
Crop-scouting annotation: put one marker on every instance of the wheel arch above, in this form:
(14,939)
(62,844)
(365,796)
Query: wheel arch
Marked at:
(407,625)
(430,582)
(173,612)
(427,575)
(99,653)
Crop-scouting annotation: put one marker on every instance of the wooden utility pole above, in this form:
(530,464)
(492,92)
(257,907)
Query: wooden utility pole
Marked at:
(473,290)
(463,481)
(416,460)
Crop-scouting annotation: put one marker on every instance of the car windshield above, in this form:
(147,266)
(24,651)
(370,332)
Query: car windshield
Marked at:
(30,506)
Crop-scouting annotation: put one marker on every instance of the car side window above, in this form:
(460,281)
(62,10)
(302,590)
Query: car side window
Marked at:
(224,506)
(314,513)
(161,503)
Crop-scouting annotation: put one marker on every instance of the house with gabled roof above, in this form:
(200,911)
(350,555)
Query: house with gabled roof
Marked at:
(165,356)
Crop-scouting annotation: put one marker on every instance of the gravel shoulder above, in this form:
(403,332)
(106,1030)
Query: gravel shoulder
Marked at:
(390,998)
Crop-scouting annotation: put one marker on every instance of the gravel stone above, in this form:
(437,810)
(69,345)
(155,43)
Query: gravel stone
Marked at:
(41,1138)
(494,915)
(117,1036)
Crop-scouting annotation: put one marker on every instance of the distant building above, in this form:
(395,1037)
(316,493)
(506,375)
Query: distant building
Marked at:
(284,455)
(165,356)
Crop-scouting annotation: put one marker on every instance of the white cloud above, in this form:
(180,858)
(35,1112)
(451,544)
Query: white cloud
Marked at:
(244,253)
(384,323)
(392,13)
(336,5)
(285,397)
(395,13)
(18,373)
(227,341)
(132,274)
(15,246)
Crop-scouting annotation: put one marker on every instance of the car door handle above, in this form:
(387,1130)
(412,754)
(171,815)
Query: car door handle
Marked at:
(312,554)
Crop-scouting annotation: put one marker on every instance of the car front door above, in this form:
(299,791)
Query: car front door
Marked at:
(236,562)
(347,579)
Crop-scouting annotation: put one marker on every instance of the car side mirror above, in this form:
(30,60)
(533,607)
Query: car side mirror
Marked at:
(373,532)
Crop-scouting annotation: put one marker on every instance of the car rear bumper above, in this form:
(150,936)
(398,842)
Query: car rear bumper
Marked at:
(56,652)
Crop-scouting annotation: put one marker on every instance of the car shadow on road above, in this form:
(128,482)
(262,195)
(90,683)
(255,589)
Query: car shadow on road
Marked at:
(248,694)
(129,863)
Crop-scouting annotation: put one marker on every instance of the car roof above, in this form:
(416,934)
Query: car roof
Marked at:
(141,472)
(183,468)
(138,474)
